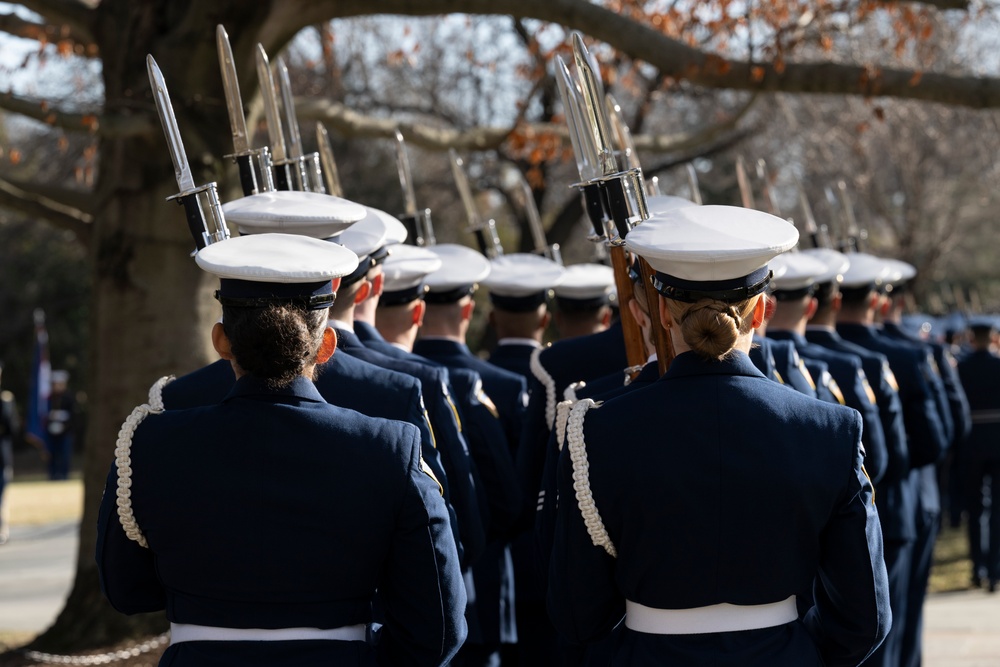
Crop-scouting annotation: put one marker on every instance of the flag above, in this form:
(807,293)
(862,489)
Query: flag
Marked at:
(41,381)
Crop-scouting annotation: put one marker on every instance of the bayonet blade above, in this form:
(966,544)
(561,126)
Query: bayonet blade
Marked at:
(517,181)
(231,86)
(578,135)
(692,175)
(621,132)
(464,191)
(405,181)
(330,174)
(765,187)
(746,191)
(182,170)
(812,229)
(274,130)
(593,99)
(850,223)
(288,102)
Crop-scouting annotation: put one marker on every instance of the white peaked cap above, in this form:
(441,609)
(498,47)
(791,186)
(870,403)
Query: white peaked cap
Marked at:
(523,274)
(836,263)
(461,266)
(586,281)
(800,271)
(290,212)
(276,258)
(864,270)
(407,266)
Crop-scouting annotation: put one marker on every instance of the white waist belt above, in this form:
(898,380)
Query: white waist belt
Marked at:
(723,617)
(185,632)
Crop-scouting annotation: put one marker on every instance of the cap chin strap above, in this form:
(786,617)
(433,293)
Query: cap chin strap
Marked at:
(315,302)
(733,295)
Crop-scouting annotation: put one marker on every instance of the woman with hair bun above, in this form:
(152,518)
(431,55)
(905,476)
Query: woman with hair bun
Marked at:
(706,508)
(265,525)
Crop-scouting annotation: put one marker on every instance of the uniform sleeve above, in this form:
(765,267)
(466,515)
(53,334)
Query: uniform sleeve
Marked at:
(851,614)
(422,587)
(584,603)
(925,431)
(127,571)
(873,437)
(530,457)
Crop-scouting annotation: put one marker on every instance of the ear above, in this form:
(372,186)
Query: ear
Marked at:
(637,314)
(770,305)
(419,308)
(468,308)
(377,283)
(335,284)
(873,300)
(221,342)
(606,317)
(759,311)
(665,320)
(363,292)
(544,322)
(811,307)
(327,347)
(836,302)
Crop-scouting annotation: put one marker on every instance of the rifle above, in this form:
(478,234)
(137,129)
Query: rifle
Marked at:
(418,223)
(514,180)
(485,232)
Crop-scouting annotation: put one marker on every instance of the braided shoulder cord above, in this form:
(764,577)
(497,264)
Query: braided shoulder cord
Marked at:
(562,416)
(581,477)
(569,394)
(543,376)
(156,392)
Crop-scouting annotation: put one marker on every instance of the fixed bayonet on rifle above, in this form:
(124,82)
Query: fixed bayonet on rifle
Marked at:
(330,174)
(743,180)
(420,229)
(283,179)
(305,168)
(692,175)
(485,232)
(254,164)
(514,180)
(621,132)
(811,228)
(853,235)
(206,229)
(765,188)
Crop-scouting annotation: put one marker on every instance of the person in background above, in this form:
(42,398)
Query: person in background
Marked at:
(9,428)
(979,372)
(60,426)
(583,300)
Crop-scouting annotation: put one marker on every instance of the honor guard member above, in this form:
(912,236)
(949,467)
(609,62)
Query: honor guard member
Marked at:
(980,457)
(795,304)
(778,360)
(715,581)
(926,435)
(400,314)
(894,494)
(583,300)
(343,380)
(364,312)
(449,308)
(953,409)
(519,286)
(352,510)
(441,412)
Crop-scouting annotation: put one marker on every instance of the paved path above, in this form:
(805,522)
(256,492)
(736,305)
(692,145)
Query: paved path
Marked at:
(36,572)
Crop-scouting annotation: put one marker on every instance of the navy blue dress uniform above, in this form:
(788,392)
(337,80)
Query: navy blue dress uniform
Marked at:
(520,283)
(789,366)
(737,534)
(454,277)
(797,283)
(980,376)
(352,510)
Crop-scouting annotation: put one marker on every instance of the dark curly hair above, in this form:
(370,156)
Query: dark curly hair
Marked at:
(274,342)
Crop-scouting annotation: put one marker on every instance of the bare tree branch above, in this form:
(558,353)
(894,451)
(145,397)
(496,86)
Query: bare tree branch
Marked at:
(122,125)
(37,206)
(680,61)
(77,200)
(13,24)
(76,15)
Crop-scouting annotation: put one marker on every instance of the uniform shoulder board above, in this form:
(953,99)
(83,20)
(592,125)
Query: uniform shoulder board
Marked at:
(889,377)
(451,404)
(834,388)
(430,473)
(484,398)
(777,376)
(805,372)
(869,392)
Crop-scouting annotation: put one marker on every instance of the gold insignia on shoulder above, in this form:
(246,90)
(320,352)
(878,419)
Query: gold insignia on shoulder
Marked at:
(427,420)
(889,377)
(806,374)
(869,392)
(430,473)
(868,477)
(454,410)
(777,376)
(488,402)
(834,388)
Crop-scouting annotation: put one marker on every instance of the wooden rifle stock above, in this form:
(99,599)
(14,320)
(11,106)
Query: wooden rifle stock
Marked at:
(661,337)
(635,348)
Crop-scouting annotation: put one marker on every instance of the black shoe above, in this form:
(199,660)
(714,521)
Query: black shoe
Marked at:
(992,586)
